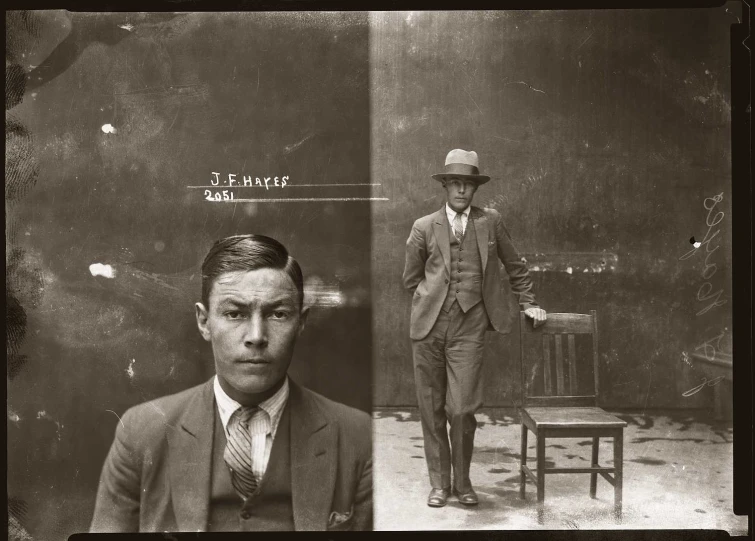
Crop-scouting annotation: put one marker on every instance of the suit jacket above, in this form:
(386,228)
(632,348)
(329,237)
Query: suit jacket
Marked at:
(428,269)
(157,475)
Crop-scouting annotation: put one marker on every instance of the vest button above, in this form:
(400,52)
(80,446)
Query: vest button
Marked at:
(446,280)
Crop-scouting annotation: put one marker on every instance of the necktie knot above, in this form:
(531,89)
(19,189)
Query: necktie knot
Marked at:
(244,415)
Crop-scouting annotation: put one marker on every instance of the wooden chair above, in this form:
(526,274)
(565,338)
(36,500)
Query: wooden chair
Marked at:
(563,409)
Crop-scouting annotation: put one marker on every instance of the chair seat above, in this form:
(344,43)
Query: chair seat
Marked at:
(572,417)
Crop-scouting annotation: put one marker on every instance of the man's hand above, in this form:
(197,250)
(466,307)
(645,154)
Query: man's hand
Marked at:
(537,314)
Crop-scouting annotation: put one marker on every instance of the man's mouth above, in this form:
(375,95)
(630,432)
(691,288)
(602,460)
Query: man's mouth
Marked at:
(254,361)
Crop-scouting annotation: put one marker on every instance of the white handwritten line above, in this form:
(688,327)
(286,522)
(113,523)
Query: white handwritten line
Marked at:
(525,84)
(287,199)
(287,185)
(288,149)
(119,418)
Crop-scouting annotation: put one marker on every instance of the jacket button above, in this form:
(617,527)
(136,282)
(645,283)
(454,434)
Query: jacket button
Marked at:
(446,280)
(246,515)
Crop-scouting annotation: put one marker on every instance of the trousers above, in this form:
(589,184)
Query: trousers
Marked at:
(447,370)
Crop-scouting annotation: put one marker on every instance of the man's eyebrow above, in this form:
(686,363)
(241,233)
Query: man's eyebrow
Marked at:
(267,303)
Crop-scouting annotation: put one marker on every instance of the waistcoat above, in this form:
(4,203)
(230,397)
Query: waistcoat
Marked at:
(270,509)
(465,284)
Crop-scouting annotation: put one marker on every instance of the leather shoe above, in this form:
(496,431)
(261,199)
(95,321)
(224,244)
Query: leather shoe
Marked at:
(467,498)
(438,497)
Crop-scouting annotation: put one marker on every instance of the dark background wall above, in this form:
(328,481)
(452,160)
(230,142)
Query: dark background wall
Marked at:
(604,132)
(189,94)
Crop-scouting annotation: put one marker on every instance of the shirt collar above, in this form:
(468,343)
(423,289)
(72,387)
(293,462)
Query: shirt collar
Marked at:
(273,406)
(451,213)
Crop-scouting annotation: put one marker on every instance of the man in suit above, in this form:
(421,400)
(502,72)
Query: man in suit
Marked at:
(249,449)
(453,272)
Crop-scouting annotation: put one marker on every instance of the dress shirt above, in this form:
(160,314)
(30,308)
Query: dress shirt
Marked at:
(451,213)
(262,426)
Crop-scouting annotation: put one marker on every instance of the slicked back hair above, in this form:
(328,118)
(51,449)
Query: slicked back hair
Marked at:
(248,253)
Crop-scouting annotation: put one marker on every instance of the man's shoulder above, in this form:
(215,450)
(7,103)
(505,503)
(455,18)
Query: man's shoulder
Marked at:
(337,410)
(351,421)
(163,410)
(426,220)
(488,212)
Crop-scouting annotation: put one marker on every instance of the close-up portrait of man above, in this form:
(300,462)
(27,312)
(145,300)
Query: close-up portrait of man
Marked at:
(249,449)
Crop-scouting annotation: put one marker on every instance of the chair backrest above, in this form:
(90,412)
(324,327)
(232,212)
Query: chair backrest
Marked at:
(559,364)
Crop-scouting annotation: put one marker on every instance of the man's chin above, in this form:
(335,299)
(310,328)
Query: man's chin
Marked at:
(256,385)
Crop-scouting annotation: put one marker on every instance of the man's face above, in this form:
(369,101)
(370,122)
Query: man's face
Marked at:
(459,192)
(252,321)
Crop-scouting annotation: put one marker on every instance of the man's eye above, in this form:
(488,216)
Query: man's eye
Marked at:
(280,314)
(234,315)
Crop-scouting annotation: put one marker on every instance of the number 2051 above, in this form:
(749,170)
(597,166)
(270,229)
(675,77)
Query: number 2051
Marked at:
(224,195)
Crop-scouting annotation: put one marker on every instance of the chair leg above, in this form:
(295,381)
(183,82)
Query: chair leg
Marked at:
(594,476)
(618,464)
(523,462)
(540,466)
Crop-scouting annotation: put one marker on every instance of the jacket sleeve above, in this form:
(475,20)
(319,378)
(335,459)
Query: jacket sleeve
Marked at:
(118,496)
(416,256)
(363,500)
(516,267)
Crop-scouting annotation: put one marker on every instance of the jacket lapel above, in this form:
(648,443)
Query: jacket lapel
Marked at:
(190,461)
(481,230)
(440,228)
(313,461)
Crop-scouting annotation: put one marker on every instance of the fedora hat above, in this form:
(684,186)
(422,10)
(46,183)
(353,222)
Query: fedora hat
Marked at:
(463,164)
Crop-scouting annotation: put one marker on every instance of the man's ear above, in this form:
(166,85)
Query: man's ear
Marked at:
(303,319)
(202,316)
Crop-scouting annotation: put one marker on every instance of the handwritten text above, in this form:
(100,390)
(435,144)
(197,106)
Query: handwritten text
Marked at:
(709,383)
(705,291)
(246,180)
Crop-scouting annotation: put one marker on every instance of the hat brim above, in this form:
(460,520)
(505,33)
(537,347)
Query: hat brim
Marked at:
(479,179)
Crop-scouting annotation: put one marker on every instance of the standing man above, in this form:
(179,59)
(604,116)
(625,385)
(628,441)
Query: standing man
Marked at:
(453,272)
(249,449)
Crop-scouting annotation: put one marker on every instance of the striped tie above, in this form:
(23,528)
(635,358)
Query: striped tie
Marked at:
(238,452)
(458,228)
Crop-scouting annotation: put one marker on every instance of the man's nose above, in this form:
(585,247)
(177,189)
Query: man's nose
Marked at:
(256,332)
(462,189)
